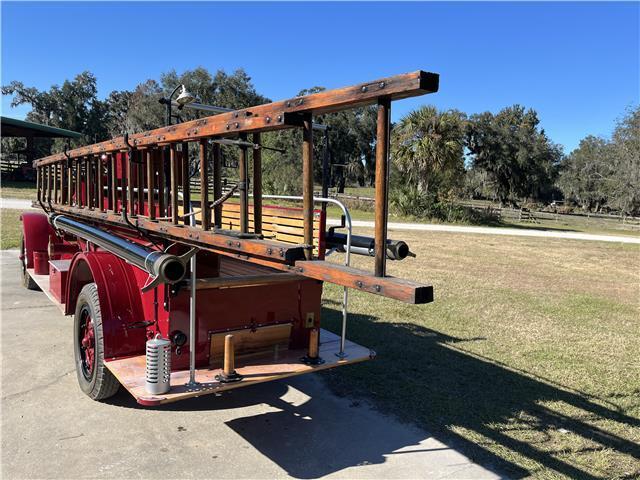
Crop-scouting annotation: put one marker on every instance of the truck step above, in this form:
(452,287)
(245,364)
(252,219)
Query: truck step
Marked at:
(131,371)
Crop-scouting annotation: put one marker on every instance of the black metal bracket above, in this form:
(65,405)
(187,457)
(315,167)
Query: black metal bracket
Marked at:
(294,119)
(233,377)
(139,324)
(312,360)
(130,149)
(343,224)
(66,153)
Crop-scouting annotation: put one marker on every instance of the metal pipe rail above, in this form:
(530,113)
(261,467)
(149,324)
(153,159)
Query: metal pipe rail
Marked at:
(165,267)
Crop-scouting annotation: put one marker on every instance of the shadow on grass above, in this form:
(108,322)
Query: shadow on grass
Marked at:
(23,185)
(535,226)
(498,223)
(421,377)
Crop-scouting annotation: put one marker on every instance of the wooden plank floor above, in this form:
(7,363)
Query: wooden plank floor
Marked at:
(131,371)
(230,267)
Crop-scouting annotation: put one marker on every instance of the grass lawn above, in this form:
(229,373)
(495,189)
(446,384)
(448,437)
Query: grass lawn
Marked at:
(10,228)
(528,360)
(26,190)
(570,223)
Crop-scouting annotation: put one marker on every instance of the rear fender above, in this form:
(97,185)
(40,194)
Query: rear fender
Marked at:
(120,300)
(36,233)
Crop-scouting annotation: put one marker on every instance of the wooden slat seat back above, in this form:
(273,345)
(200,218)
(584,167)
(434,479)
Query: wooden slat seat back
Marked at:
(284,224)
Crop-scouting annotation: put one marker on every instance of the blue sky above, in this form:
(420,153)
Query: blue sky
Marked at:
(577,64)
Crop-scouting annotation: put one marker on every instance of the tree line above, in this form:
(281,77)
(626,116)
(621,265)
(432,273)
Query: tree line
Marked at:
(437,156)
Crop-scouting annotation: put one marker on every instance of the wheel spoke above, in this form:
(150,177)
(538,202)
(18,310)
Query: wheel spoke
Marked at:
(87,344)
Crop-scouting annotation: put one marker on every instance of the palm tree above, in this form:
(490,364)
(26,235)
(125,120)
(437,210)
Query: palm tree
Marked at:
(428,147)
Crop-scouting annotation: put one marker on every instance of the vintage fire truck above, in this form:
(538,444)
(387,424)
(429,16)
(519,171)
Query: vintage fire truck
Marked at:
(179,288)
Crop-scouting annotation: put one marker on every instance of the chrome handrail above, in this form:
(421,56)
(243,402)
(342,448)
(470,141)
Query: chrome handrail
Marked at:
(347,260)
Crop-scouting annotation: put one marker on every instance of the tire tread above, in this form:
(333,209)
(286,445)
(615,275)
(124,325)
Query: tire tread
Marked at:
(106,384)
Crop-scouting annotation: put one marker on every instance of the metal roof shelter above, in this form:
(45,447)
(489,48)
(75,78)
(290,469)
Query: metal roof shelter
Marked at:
(14,168)
(12,127)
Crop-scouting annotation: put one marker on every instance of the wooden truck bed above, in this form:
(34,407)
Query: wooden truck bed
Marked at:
(257,368)
(130,372)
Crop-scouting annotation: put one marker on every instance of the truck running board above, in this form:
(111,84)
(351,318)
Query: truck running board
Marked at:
(130,372)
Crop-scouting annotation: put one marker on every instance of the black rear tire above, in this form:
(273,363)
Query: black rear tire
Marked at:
(27,281)
(94,377)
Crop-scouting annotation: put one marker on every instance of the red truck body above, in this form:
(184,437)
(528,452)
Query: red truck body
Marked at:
(120,226)
(130,317)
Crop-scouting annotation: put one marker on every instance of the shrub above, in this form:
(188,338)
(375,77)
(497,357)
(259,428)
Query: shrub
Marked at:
(410,202)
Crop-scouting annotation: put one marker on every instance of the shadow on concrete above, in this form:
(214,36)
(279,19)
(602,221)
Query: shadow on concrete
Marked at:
(319,436)
(422,378)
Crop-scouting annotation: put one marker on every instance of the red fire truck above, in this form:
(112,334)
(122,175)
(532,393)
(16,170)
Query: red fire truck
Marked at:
(180,289)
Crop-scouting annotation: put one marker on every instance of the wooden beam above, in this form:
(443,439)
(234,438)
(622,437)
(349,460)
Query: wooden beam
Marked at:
(257,184)
(243,187)
(100,175)
(69,182)
(130,196)
(39,172)
(204,186)
(382,186)
(140,181)
(78,167)
(114,182)
(271,252)
(400,289)
(161,153)
(307,184)
(186,193)
(246,280)
(63,183)
(217,184)
(88,165)
(55,182)
(173,159)
(151,205)
(270,116)
(49,183)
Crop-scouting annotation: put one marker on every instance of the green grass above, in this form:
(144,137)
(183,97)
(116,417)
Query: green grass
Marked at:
(369,192)
(10,228)
(25,190)
(527,360)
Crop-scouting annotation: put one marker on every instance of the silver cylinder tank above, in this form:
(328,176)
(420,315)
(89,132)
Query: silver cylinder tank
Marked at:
(158,365)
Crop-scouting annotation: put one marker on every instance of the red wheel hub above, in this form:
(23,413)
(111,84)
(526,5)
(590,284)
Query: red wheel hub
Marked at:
(88,344)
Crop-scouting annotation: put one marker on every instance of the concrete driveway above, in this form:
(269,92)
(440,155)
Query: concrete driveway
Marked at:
(289,428)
